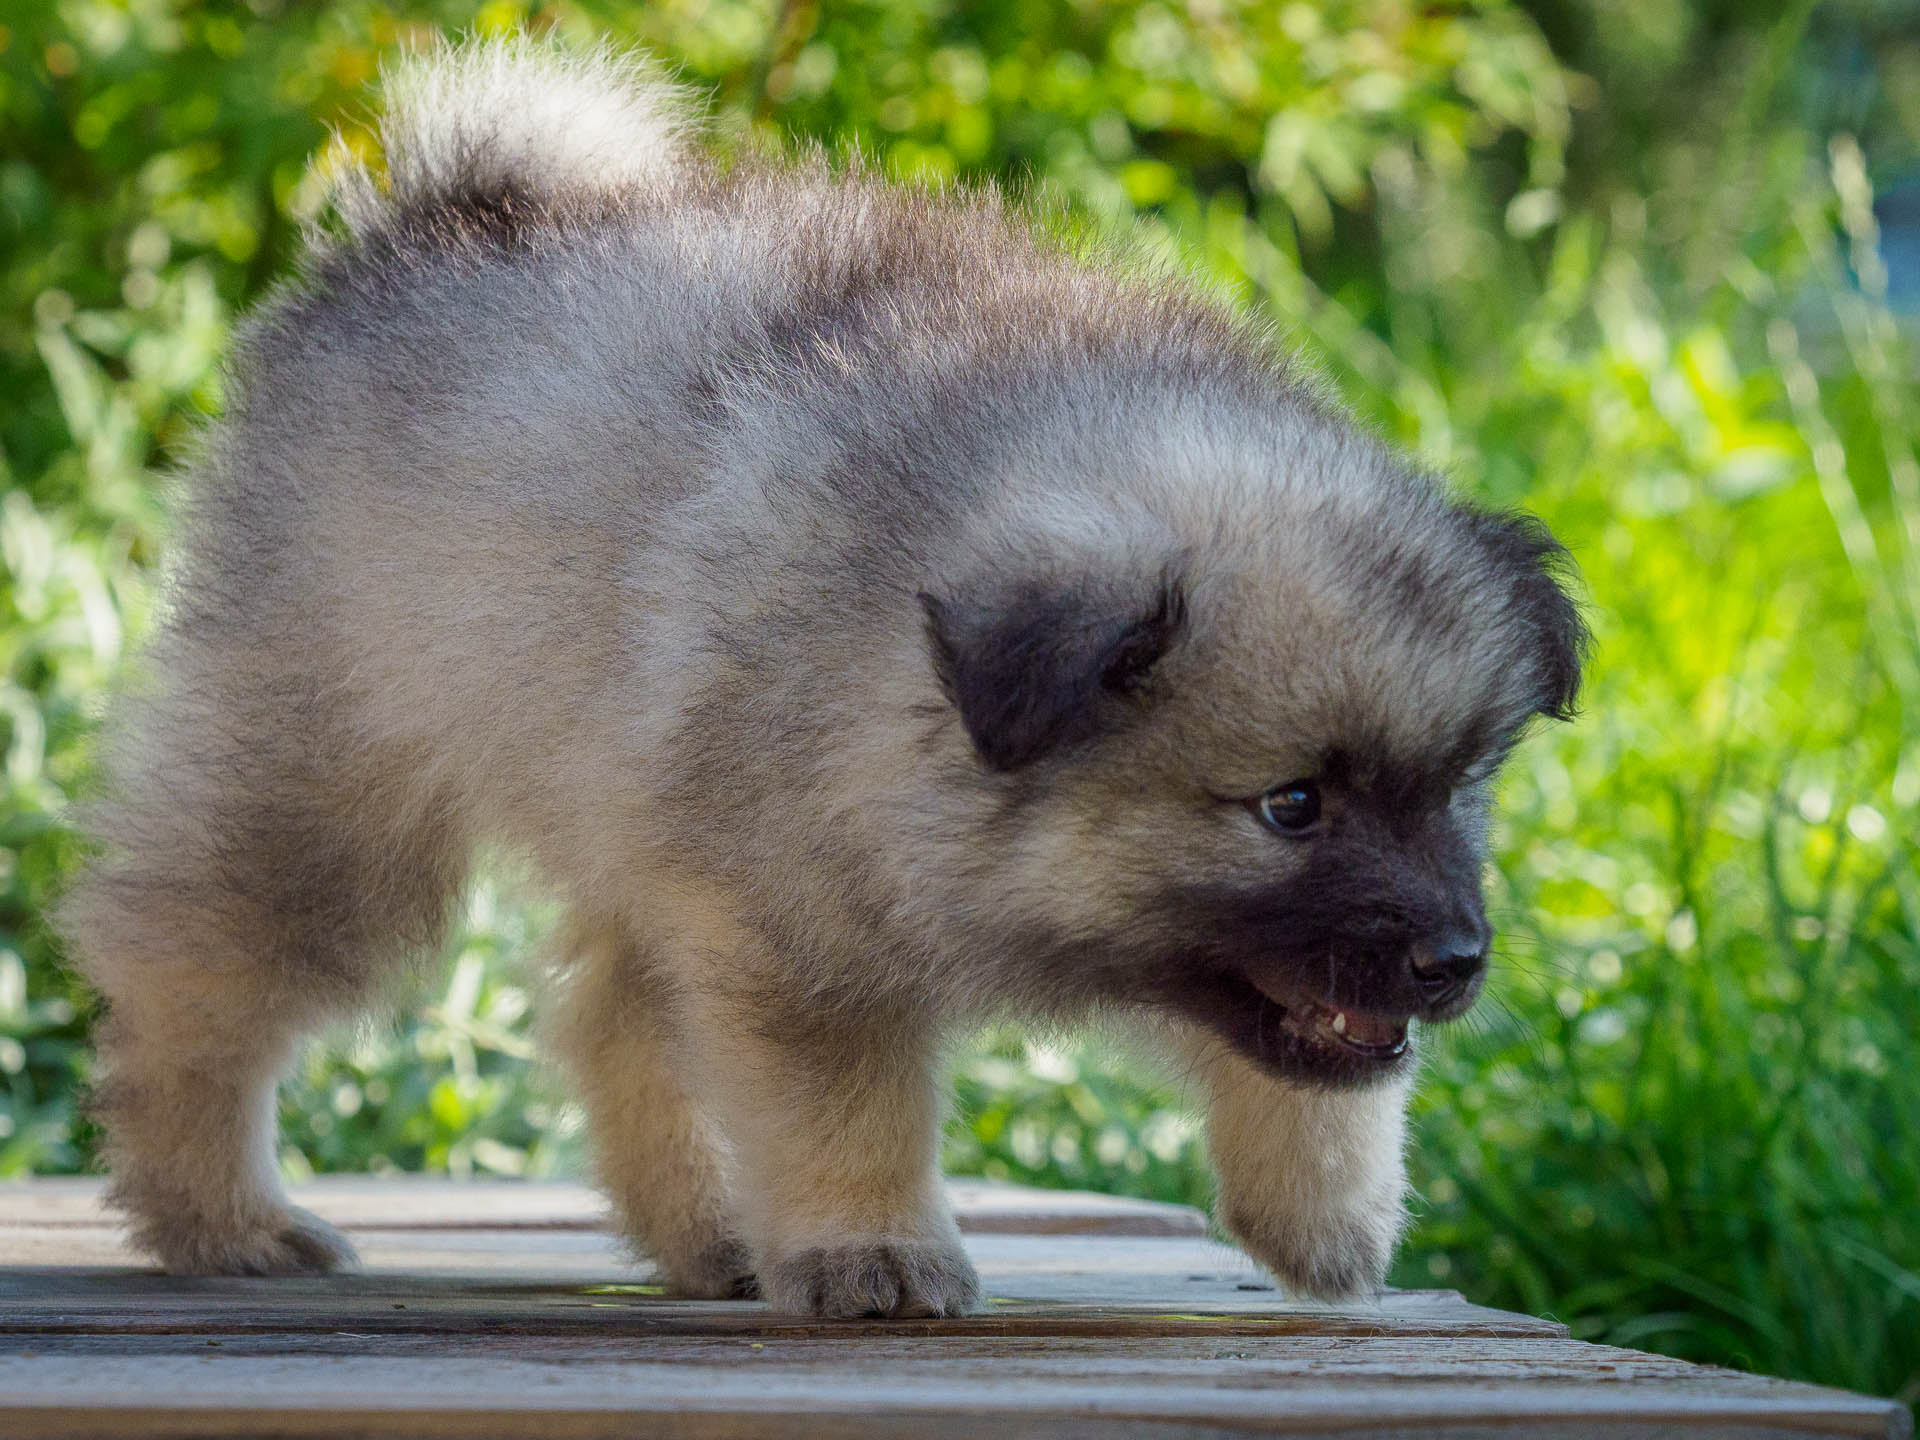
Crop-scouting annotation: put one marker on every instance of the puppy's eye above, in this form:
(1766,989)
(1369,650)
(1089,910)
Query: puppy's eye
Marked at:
(1288,809)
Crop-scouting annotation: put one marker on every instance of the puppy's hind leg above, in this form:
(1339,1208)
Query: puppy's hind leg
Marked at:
(236,908)
(660,1158)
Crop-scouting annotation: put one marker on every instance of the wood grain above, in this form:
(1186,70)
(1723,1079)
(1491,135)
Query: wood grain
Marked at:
(504,1311)
(358,1202)
(75,1280)
(940,1387)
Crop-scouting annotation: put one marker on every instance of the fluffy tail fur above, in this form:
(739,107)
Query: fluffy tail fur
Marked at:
(507,126)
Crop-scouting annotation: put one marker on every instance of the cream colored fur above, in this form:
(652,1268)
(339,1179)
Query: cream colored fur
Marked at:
(1312,1181)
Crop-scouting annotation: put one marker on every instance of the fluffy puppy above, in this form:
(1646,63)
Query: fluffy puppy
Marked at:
(871,618)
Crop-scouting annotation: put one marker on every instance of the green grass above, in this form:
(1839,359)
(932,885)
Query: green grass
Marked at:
(1624,273)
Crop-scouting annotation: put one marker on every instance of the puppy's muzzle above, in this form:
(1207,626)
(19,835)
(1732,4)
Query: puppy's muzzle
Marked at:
(1350,1023)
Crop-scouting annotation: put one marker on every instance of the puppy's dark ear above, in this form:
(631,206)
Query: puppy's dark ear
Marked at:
(1540,571)
(1042,667)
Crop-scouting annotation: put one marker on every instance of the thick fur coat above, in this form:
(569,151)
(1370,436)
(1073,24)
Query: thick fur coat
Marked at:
(871,618)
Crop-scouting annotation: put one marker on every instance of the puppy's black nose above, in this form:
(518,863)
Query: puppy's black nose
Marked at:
(1444,968)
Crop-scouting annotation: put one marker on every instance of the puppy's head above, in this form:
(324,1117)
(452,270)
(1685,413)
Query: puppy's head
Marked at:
(1238,766)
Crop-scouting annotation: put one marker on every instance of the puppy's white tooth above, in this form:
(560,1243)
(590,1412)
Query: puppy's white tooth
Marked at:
(1339,1022)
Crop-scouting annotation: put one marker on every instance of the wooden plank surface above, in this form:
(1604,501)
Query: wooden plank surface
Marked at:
(945,1386)
(517,1317)
(361,1202)
(70,1279)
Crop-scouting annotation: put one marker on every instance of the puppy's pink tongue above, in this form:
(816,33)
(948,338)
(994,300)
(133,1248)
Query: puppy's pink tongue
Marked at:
(1363,1029)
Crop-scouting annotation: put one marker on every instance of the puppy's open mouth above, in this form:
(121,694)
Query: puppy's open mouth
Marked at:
(1297,1035)
(1365,1035)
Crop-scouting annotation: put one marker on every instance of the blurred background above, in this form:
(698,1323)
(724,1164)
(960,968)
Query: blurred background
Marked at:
(1650,267)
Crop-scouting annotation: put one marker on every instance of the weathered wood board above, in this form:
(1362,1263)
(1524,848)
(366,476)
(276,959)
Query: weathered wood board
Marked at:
(406,1202)
(505,1310)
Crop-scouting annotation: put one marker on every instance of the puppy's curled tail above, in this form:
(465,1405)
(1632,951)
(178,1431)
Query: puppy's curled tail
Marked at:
(505,130)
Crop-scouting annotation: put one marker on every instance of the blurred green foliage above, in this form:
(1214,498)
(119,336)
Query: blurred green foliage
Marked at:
(1615,261)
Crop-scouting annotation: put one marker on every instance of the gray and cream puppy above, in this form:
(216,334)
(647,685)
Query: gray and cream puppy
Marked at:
(871,619)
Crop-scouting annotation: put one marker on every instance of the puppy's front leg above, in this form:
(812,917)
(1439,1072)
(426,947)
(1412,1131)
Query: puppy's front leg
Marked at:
(1312,1181)
(835,1126)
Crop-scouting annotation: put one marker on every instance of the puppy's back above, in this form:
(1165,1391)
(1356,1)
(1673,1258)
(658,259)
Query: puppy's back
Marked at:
(562,412)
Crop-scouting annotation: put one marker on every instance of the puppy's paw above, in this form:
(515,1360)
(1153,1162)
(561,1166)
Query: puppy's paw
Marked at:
(723,1270)
(894,1279)
(1342,1257)
(287,1241)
